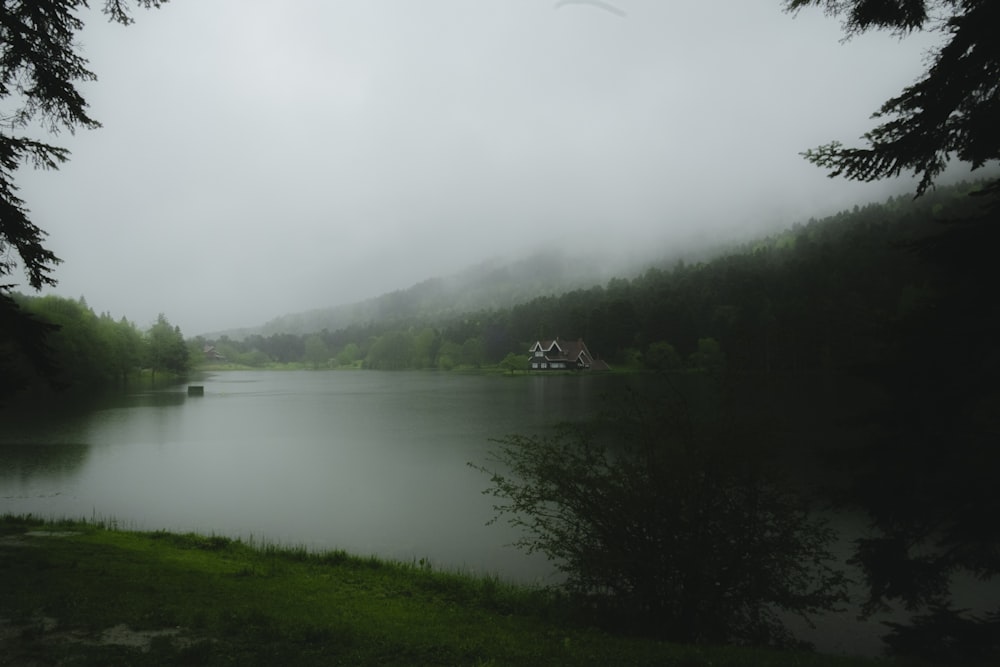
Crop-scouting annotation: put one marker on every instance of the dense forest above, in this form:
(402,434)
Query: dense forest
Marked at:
(87,351)
(822,295)
(825,295)
(491,284)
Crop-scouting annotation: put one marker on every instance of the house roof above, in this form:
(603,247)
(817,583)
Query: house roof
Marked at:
(576,349)
(562,350)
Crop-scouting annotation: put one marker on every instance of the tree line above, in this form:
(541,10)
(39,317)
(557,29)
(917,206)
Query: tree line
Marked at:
(96,351)
(819,296)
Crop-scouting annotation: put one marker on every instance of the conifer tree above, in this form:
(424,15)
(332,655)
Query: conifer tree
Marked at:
(40,70)
(951,112)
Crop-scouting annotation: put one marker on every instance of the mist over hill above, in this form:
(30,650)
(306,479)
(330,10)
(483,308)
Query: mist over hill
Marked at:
(503,281)
(492,284)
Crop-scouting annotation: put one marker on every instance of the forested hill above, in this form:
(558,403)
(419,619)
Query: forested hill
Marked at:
(821,295)
(489,285)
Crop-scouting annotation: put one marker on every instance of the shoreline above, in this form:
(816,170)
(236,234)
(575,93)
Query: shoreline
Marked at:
(97,594)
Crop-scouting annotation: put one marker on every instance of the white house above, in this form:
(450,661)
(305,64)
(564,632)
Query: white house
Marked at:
(563,355)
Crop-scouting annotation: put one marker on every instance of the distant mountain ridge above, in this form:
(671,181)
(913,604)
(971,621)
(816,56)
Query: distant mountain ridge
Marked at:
(489,285)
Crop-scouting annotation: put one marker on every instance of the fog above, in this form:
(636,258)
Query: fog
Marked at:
(260,158)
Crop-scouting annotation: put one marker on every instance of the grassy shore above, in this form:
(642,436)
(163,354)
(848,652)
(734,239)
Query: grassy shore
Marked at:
(78,593)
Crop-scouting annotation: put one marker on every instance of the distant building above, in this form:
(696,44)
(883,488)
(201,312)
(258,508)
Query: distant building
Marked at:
(558,354)
(211,354)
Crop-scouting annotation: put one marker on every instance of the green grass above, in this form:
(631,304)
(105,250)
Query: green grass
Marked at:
(216,601)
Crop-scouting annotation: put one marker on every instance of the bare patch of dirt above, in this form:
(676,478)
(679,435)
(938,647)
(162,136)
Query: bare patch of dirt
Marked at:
(14,541)
(122,635)
(44,630)
(21,539)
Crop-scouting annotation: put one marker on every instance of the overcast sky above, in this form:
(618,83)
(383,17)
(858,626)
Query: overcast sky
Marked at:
(262,157)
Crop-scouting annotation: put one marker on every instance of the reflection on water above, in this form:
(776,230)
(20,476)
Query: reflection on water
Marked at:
(366,461)
(371,462)
(20,462)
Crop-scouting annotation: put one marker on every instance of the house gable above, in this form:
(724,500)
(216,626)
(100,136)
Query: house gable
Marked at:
(560,355)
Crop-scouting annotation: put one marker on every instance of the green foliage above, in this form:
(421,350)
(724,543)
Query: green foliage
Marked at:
(950,112)
(196,351)
(631,358)
(708,356)
(234,352)
(348,355)
(473,352)
(83,345)
(213,601)
(491,284)
(922,477)
(316,353)
(450,355)
(39,74)
(165,348)
(126,345)
(88,351)
(816,297)
(426,345)
(514,362)
(392,351)
(24,352)
(661,356)
(673,525)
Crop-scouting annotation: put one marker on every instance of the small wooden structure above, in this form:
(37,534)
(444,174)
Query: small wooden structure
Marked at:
(559,354)
(196,390)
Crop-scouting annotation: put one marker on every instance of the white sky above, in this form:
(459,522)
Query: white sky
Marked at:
(262,157)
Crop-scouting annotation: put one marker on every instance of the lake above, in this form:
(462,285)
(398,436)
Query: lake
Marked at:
(367,461)
(371,462)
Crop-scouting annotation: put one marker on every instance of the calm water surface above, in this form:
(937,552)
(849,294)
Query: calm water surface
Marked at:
(371,462)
